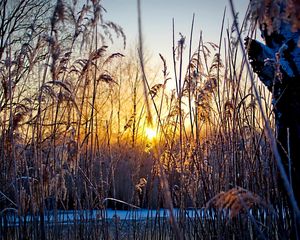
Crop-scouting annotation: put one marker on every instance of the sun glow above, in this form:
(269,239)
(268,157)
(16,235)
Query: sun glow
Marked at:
(150,133)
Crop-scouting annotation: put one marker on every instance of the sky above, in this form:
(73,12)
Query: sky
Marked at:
(157,18)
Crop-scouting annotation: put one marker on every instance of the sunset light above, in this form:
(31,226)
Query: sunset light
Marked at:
(149,119)
(150,133)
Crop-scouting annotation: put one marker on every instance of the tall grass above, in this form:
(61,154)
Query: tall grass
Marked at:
(73,134)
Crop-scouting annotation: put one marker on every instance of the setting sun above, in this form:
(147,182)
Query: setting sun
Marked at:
(150,133)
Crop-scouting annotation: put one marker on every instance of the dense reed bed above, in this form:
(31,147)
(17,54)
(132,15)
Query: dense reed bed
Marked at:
(84,130)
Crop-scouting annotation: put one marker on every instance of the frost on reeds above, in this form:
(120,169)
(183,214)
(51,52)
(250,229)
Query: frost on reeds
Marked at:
(73,120)
(270,13)
(235,201)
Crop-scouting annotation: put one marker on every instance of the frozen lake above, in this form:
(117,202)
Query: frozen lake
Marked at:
(83,216)
(10,218)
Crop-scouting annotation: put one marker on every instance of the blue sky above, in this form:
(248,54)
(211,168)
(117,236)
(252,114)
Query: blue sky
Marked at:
(157,21)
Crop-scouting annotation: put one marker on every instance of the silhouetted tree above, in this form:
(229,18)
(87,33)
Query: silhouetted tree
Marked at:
(277,64)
